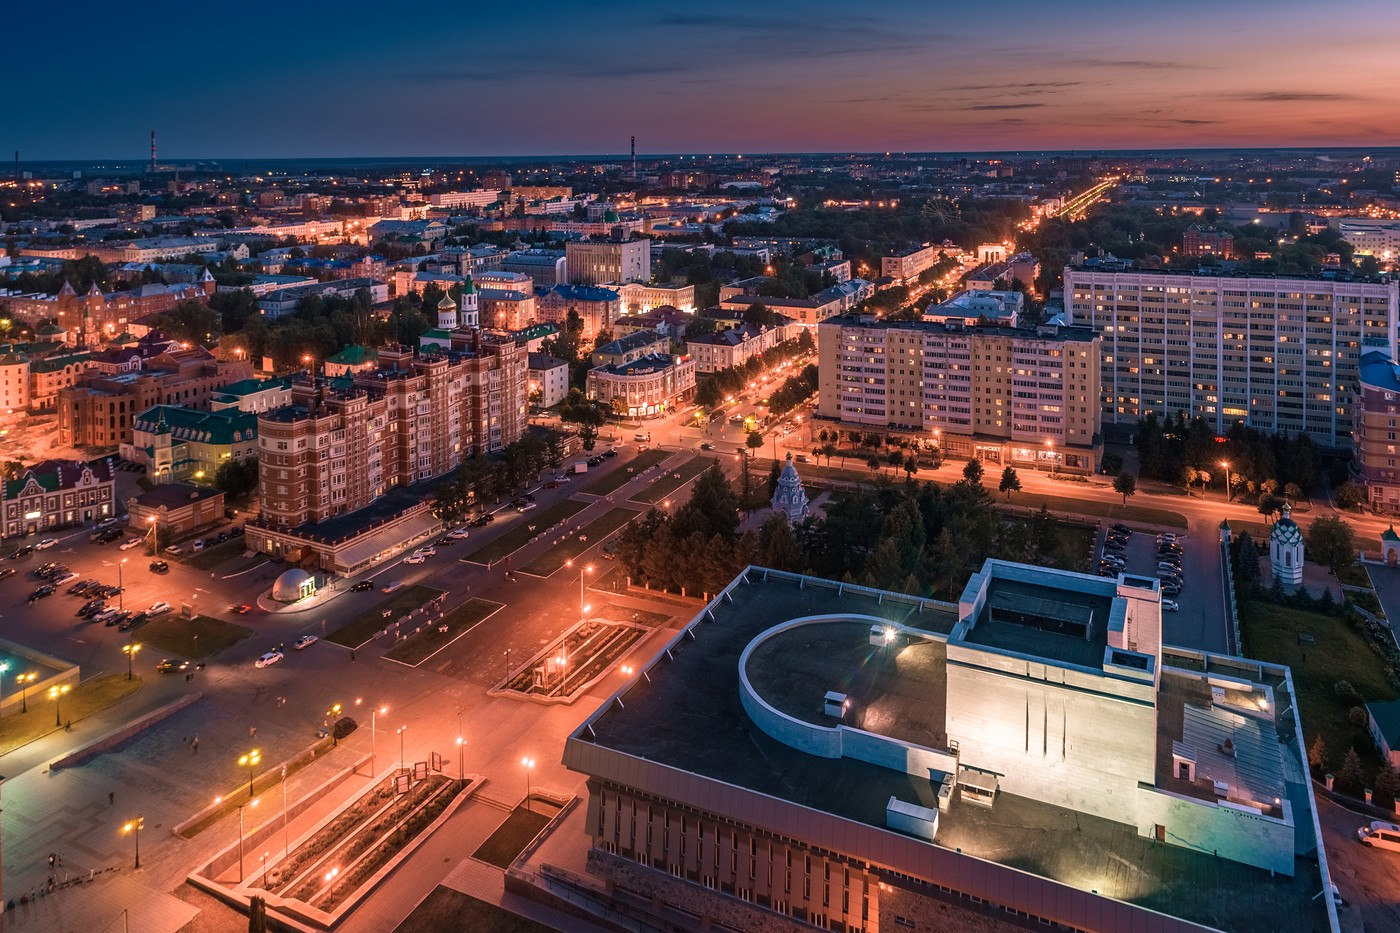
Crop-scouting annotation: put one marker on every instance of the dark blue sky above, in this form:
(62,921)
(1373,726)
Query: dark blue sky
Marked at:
(467,78)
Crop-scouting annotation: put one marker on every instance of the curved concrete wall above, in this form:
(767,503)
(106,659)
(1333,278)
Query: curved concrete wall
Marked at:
(837,741)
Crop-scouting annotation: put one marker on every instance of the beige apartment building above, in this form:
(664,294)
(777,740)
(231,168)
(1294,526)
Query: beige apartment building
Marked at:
(1019,397)
(1281,354)
(599,262)
(336,464)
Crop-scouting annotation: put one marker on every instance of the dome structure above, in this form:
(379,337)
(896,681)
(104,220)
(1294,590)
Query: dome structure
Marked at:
(790,498)
(293,585)
(1286,549)
(447,312)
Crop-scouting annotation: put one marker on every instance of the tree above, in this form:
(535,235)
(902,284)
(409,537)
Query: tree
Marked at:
(1010,482)
(1269,504)
(972,472)
(1351,780)
(1292,492)
(777,548)
(1349,495)
(1386,786)
(1125,483)
(237,478)
(874,464)
(257,914)
(1332,543)
(774,473)
(1317,755)
(753,441)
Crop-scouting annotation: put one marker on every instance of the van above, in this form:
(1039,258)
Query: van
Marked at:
(1380,835)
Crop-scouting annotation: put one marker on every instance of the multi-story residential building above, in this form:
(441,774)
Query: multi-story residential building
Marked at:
(907,264)
(549,376)
(640,297)
(973,307)
(336,466)
(284,301)
(1279,353)
(96,315)
(1371,236)
(482,197)
(1022,397)
(14,382)
(1023,268)
(507,308)
(1375,436)
(175,442)
(671,322)
(98,410)
(808,312)
(734,346)
(1207,242)
(545,267)
(647,387)
(504,281)
(808,753)
(57,494)
(600,262)
(634,346)
(598,307)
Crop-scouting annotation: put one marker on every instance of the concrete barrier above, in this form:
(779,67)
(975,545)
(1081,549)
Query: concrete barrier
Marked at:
(112,739)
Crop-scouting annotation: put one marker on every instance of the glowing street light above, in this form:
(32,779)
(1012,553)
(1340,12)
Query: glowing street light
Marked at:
(1228,491)
(373,715)
(56,694)
(250,761)
(529,764)
(134,827)
(130,651)
(24,680)
(401,730)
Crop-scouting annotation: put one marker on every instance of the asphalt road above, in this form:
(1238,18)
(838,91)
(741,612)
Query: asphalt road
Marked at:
(1365,877)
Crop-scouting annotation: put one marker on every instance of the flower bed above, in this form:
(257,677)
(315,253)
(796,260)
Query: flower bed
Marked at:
(368,804)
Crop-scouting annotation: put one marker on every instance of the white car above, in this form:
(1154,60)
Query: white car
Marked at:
(304,641)
(64,577)
(1170,605)
(459,534)
(45,544)
(159,609)
(130,543)
(428,551)
(1380,834)
(269,659)
(414,559)
(528,507)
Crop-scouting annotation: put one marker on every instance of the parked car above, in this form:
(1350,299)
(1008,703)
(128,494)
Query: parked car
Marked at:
(236,532)
(268,659)
(427,550)
(159,609)
(132,622)
(172,666)
(91,608)
(445,541)
(1380,835)
(414,559)
(109,535)
(304,641)
(1119,526)
(1170,605)
(130,543)
(63,577)
(174,549)
(199,545)
(121,616)
(42,592)
(106,616)
(364,586)
(159,566)
(45,544)
(221,538)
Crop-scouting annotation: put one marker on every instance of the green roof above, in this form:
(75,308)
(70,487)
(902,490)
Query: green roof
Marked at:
(206,427)
(354,355)
(52,364)
(1389,534)
(249,386)
(1387,717)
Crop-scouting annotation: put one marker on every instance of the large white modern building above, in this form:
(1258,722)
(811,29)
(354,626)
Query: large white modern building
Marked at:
(1281,354)
(1371,236)
(812,753)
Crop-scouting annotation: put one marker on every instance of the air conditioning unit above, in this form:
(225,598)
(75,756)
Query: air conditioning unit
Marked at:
(1222,789)
(835,704)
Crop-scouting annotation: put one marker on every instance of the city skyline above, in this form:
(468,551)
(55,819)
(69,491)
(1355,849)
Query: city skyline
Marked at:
(727,79)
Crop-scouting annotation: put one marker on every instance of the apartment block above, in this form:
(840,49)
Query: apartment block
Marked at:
(1374,439)
(599,262)
(1279,353)
(1005,395)
(335,465)
(906,265)
(735,345)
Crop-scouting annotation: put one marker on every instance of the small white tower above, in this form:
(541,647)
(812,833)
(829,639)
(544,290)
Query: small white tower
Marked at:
(468,316)
(789,498)
(1286,549)
(447,313)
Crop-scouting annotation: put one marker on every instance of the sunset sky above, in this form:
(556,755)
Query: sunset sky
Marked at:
(362,79)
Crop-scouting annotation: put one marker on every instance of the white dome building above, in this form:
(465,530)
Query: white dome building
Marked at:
(790,498)
(294,585)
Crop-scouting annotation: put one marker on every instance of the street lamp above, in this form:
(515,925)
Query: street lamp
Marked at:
(155,536)
(401,730)
(130,650)
(24,680)
(134,827)
(219,800)
(1226,465)
(529,764)
(56,694)
(373,715)
(332,715)
(250,761)
(121,588)
(461,758)
(1050,443)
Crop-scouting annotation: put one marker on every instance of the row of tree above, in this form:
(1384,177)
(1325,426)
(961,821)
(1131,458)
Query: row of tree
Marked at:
(715,388)
(1184,452)
(493,476)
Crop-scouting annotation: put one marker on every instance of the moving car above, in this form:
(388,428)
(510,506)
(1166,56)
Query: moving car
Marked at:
(159,566)
(458,534)
(172,666)
(242,609)
(45,544)
(6,572)
(364,586)
(426,551)
(159,609)
(129,543)
(527,507)
(268,659)
(706,445)
(393,585)
(304,641)
(414,559)
(23,550)
(1380,835)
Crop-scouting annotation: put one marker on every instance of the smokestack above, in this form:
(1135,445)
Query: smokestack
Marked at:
(634,158)
(153,150)
(16,165)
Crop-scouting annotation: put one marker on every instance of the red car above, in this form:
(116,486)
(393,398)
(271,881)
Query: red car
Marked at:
(242,610)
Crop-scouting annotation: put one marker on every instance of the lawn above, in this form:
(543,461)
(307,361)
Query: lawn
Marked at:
(200,637)
(622,475)
(1339,652)
(446,909)
(362,627)
(228,802)
(511,838)
(520,535)
(595,531)
(18,729)
(416,649)
(211,557)
(668,483)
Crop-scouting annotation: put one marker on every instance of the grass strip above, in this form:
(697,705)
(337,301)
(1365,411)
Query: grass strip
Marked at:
(436,635)
(623,475)
(200,637)
(672,480)
(510,838)
(18,729)
(520,535)
(362,627)
(595,531)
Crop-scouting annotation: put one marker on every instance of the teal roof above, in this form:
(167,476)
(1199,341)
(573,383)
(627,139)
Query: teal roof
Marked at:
(55,363)
(1387,717)
(249,386)
(1286,532)
(1389,534)
(228,426)
(354,355)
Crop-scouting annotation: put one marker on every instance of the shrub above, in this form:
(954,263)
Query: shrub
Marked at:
(1347,693)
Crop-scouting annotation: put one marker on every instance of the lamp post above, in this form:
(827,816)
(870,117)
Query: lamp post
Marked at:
(130,650)
(401,730)
(121,589)
(25,680)
(218,800)
(56,694)
(373,715)
(461,758)
(1228,491)
(529,764)
(1050,444)
(332,715)
(4,666)
(250,761)
(134,827)
(155,536)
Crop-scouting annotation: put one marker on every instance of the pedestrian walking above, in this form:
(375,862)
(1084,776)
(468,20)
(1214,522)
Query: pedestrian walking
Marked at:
(111,798)
(352,657)
(252,732)
(194,744)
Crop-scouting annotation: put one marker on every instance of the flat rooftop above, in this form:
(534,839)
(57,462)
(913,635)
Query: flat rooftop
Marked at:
(1044,622)
(687,715)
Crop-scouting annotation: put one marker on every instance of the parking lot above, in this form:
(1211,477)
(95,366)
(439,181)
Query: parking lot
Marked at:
(1140,556)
